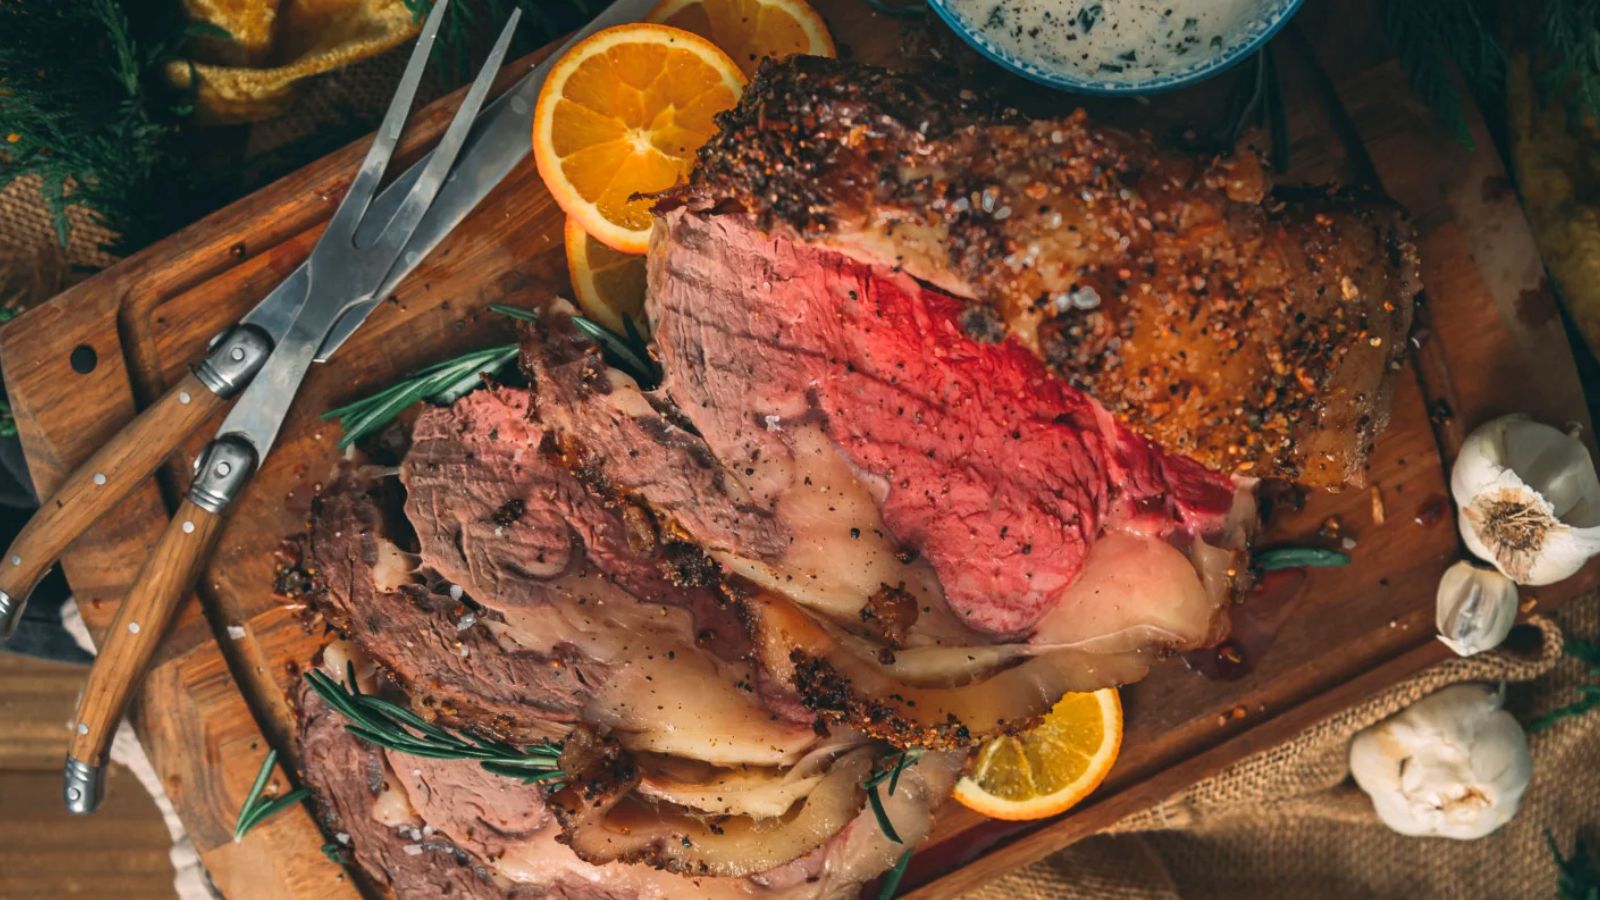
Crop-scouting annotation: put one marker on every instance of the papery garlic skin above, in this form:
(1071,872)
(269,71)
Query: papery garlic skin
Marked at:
(1453,764)
(1529,499)
(1475,608)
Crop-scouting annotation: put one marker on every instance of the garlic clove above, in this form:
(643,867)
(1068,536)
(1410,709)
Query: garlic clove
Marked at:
(1453,764)
(1475,608)
(1529,499)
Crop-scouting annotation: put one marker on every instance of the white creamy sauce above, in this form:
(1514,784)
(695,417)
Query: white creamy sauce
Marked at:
(1122,41)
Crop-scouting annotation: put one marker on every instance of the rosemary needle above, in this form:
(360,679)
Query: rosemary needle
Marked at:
(1298,557)
(891,881)
(903,760)
(255,810)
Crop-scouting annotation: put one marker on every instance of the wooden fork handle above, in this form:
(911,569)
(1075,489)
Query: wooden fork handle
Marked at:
(136,631)
(146,612)
(130,457)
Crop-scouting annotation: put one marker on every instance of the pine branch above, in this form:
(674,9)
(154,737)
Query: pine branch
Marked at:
(1434,40)
(84,109)
(1576,876)
(1588,694)
(1569,54)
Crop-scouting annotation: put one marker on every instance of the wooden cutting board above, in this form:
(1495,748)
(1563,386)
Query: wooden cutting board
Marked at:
(1490,341)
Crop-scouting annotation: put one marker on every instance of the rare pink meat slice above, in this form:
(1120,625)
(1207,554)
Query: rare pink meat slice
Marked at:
(978,458)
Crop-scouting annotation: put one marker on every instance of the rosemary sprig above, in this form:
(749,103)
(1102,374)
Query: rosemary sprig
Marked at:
(1298,558)
(393,727)
(448,381)
(1588,694)
(256,810)
(891,880)
(442,382)
(890,773)
(629,352)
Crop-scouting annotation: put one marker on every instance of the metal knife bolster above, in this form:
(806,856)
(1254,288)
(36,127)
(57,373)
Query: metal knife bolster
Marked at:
(220,473)
(235,356)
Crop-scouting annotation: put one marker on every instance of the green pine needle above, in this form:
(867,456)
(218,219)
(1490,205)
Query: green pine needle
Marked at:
(85,108)
(1576,876)
(256,810)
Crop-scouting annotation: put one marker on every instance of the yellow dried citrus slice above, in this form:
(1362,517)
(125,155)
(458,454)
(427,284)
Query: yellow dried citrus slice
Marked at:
(607,285)
(1047,769)
(622,113)
(750,30)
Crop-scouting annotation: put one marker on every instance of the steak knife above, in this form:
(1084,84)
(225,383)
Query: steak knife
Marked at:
(499,139)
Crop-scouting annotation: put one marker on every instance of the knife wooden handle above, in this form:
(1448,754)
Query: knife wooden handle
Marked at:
(140,623)
(125,461)
(100,483)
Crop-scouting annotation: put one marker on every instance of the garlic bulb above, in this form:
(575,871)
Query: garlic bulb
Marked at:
(1476,608)
(1453,764)
(1529,499)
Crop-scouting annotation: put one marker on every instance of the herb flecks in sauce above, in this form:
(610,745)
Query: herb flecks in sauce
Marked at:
(1128,41)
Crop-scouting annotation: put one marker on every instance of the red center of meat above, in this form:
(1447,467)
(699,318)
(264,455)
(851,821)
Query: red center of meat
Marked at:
(1001,474)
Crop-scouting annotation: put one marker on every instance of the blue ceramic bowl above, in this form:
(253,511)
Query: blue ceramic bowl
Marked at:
(1273,15)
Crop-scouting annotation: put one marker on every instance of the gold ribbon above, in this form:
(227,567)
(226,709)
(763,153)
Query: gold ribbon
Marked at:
(273,46)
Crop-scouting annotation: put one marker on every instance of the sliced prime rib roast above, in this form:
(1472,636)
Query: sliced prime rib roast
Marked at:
(425,828)
(972,408)
(567,620)
(1247,329)
(524,625)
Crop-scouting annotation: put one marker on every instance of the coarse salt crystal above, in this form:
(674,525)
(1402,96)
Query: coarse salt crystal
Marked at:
(236,632)
(412,849)
(342,838)
(455,592)
(773,423)
(466,621)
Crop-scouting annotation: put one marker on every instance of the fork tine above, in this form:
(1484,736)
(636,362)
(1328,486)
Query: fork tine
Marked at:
(404,221)
(354,205)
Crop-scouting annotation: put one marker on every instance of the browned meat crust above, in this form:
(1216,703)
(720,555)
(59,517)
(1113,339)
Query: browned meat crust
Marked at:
(1253,332)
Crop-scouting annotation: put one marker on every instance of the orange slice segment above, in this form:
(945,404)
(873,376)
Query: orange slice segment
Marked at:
(607,285)
(750,30)
(1046,770)
(623,113)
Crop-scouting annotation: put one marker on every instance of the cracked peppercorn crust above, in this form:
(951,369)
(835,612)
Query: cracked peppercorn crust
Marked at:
(1253,331)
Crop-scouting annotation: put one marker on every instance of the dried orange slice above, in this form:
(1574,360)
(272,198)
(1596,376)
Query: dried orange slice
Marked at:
(750,30)
(623,113)
(1049,768)
(608,285)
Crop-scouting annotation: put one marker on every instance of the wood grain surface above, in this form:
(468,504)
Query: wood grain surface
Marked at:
(1490,332)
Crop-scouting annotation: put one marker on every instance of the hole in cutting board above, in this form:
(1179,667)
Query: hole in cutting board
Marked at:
(83,359)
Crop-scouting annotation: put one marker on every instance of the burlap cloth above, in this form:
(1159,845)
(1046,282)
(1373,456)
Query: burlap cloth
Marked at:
(1288,822)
